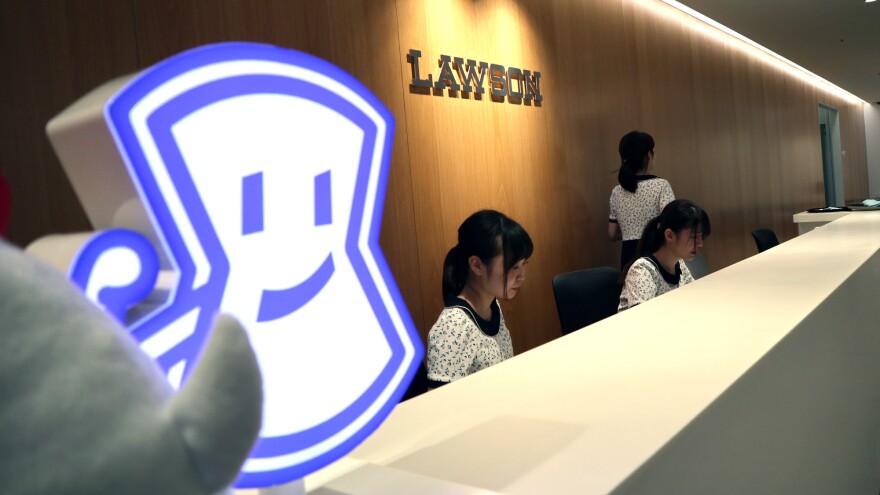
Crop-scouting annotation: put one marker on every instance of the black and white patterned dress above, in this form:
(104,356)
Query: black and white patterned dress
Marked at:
(632,211)
(647,279)
(461,342)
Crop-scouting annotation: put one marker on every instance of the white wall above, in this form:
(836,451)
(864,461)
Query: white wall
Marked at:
(872,140)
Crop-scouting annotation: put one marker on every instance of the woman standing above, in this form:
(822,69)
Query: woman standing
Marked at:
(669,239)
(639,197)
(487,264)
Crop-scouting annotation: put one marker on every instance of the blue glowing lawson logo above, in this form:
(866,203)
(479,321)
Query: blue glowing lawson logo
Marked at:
(264,172)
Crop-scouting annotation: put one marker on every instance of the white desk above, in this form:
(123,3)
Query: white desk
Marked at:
(807,221)
(761,378)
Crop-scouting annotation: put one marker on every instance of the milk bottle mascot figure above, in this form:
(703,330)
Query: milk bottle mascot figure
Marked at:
(263,172)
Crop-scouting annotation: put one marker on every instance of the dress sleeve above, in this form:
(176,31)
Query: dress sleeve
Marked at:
(638,287)
(451,350)
(666,195)
(612,209)
(505,343)
(686,276)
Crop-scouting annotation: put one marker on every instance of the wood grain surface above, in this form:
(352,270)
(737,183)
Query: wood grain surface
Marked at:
(734,132)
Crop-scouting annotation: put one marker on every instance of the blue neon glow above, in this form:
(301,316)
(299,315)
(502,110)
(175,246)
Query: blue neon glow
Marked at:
(193,235)
(323,206)
(116,299)
(279,303)
(252,204)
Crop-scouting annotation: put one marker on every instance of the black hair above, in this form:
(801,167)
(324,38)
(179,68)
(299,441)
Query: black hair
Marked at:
(634,148)
(485,234)
(679,215)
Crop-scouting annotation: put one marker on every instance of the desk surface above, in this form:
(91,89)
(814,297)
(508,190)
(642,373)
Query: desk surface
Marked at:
(807,217)
(824,217)
(583,413)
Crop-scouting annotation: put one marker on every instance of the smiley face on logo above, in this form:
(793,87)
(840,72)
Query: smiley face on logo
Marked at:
(263,170)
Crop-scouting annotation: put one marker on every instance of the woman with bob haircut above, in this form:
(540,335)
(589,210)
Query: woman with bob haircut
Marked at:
(674,236)
(487,264)
(639,197)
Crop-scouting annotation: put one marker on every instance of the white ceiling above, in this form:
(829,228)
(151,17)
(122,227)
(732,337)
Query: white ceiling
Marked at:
(838,40)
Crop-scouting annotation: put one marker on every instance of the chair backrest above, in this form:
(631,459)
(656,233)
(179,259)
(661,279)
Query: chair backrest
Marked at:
(419,383)
(765,239)
(586,296)
(698,266)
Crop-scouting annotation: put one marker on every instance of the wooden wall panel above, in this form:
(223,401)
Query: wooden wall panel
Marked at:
(468,153)
(53,52)
(735,133)
(853,145)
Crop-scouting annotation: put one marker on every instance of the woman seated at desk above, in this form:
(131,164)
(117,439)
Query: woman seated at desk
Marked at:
(488,263)
(668,239)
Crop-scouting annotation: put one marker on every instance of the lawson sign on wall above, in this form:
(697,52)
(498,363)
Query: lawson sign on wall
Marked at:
(263,171)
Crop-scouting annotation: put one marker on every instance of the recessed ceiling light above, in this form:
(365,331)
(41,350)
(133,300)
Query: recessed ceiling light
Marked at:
(869,1)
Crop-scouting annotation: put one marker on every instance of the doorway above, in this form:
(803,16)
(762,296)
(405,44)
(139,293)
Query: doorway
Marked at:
(832,167)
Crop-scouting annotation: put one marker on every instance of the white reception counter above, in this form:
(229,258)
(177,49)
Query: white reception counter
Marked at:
(807,221)
(762,378)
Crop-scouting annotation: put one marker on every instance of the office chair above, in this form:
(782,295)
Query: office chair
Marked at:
(765,239)
(586,296)
(419,384)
